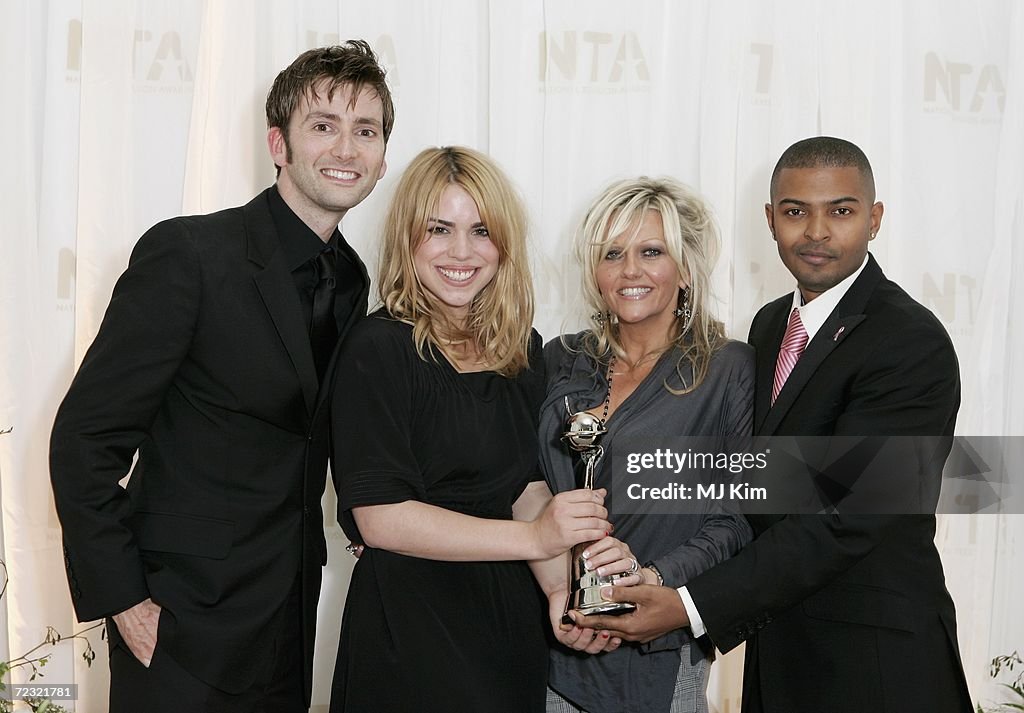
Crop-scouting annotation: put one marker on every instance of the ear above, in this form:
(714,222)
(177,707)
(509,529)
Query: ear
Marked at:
(383,169)
(277,146)
(684,280)
(769,214)
(876,218)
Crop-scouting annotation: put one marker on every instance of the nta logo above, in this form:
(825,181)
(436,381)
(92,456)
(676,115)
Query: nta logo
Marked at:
(956,296)
(962,83)
(594,57)
(155,58)
(765,55)
(66,271)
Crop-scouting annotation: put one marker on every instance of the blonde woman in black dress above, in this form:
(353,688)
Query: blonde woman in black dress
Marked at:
(435,417)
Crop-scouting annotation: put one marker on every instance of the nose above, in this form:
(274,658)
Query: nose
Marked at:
(459,247)
(345,146)
(817,227)
(630,264)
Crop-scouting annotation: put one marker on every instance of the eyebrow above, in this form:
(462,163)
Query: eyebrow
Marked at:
(450,224)
(834,201)
(330,116)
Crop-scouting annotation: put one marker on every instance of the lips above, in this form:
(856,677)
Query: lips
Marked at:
(634,293)
(457,275)
(816,258)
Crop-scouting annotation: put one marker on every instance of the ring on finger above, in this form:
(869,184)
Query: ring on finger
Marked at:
(634,566)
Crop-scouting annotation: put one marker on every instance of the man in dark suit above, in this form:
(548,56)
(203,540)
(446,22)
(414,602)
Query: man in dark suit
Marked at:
(847,611)
(213,366)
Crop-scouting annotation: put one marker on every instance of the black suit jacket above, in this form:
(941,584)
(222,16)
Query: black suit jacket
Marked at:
(847,612)
(203,367)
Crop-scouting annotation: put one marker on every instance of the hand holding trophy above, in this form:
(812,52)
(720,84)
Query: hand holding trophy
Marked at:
(583,434)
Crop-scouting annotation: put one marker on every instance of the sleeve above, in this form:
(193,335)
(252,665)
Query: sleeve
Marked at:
(372,413)
(554,354)
(697,628)
(908,385)
(145,335)
(538,388)
(721,534)
(557,460)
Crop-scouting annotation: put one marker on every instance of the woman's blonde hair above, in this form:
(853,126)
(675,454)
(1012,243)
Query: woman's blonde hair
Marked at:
(692,241)
(501,314)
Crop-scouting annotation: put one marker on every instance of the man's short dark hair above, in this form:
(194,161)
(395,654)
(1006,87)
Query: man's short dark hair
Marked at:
(825,152)
(353,65)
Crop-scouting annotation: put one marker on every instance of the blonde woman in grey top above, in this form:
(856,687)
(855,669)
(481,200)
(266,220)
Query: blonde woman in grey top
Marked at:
(653,366)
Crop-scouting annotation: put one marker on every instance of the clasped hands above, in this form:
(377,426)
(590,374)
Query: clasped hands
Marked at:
(606,556)
(659,609)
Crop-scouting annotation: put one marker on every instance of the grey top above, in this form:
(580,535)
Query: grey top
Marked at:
(642,677)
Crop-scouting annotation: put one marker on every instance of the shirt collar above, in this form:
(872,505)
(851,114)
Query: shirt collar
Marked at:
(299,243)
(814,313)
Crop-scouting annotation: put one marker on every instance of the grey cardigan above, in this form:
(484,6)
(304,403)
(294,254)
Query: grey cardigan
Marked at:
(642,677)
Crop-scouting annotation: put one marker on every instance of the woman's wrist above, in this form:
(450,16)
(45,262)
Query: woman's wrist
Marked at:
(651,575)
(533,542)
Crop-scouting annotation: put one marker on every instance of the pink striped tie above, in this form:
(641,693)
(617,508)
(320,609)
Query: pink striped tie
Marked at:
(793,343)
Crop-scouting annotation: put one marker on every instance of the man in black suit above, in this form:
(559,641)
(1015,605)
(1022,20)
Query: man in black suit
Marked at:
(846,611)
(213,366)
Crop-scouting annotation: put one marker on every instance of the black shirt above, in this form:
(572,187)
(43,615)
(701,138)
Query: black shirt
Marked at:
(301,247)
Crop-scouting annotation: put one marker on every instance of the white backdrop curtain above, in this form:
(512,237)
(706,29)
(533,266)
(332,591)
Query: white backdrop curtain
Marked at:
(118,113)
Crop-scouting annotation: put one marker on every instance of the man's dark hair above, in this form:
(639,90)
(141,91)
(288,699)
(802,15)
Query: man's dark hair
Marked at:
(825,152)
(353,65)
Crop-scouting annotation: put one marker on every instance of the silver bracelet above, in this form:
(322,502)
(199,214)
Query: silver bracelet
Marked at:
(651,566)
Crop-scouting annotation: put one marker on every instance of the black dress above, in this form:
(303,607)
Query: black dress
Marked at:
(418,634)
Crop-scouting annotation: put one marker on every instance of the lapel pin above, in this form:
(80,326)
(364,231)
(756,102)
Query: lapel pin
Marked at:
(835,337)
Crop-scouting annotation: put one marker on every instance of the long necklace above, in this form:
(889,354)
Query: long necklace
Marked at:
(608,398)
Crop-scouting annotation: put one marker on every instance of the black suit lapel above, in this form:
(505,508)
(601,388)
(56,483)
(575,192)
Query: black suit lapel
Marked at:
(845,318)
(825,341)
(277,288)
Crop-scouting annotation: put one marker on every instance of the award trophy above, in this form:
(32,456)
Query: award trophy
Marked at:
(584,430)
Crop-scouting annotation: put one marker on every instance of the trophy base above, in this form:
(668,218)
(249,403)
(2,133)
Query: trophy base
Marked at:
(588,602)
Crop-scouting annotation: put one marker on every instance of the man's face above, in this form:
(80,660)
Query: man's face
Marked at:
(333,155)
(822,220)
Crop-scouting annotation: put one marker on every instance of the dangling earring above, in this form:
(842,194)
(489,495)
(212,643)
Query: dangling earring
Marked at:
(684,311)
(600,317)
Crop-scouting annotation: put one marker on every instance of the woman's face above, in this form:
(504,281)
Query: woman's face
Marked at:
(638,279)
(456,258)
